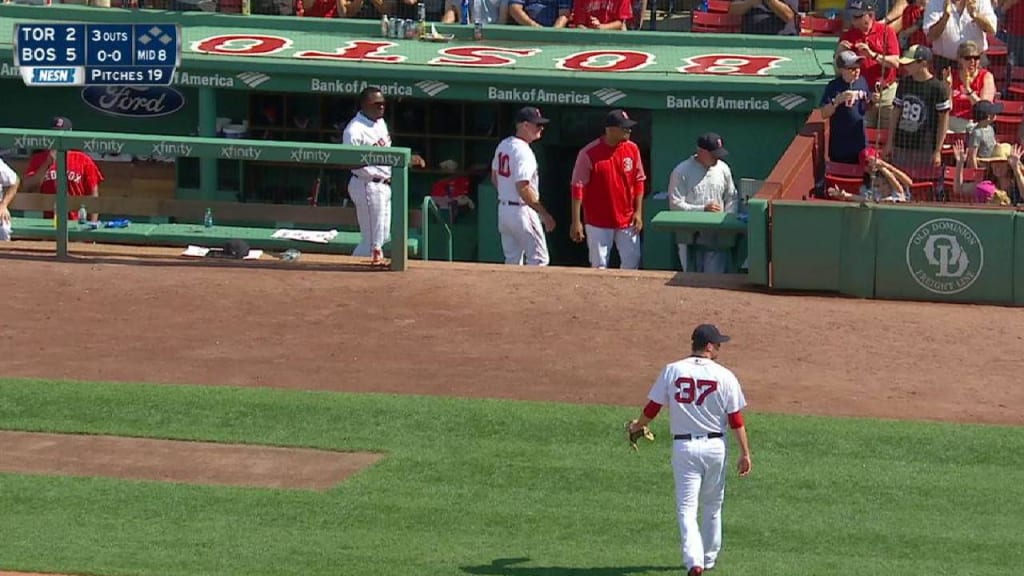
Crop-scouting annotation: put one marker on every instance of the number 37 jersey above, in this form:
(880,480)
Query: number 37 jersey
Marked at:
(514,162)
(699,393)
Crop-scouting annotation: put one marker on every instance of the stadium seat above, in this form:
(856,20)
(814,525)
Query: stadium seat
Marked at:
(1007,127)
(877,137)
(1012,107)
(996,53)
(947,146)
(719,6)
(970,175)
(715,23)
(925,178)
(811,25)
(847,177)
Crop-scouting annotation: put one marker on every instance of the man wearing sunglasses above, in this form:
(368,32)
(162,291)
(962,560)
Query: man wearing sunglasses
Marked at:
(522,219)
(370,186)
(608,187)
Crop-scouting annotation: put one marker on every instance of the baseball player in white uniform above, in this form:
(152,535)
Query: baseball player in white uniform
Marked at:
(703,398)
(704,182)
(522,219)
(370,186)
(8,189)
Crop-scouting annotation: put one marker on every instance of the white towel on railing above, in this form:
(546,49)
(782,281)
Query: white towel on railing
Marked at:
(318,236)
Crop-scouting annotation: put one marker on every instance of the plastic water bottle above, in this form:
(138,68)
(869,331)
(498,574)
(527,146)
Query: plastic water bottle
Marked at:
(208,219)
(83,217)
(290,255)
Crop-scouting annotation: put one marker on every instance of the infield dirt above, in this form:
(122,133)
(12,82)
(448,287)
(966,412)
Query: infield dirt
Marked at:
(570,335)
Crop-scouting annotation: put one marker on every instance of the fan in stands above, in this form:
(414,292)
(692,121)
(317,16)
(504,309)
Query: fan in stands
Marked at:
(880,181)
(1001,171)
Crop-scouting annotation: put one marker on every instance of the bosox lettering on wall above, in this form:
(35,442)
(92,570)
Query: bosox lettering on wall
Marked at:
(311,70)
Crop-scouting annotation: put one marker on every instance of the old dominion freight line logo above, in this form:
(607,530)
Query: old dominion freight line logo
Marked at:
(945,256)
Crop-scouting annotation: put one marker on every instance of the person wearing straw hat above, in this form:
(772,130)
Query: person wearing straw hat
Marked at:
(1003,169)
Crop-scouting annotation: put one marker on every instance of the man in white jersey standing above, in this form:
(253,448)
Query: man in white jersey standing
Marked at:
(522,219)
(8,189)
(703,397)
(370,186)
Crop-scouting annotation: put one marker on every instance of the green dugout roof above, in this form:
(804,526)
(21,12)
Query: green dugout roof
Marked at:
(652,70)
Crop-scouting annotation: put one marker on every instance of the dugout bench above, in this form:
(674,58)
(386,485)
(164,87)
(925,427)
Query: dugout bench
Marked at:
(165,222)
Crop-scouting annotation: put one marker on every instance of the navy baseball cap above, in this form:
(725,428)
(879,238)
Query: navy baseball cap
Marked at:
(858,7)
(708,334)
(532,115)
(61,123)
(985,108)
(916,53)
(712,143)
(619,119)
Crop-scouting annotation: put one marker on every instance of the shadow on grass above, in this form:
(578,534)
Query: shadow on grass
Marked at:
(506,567)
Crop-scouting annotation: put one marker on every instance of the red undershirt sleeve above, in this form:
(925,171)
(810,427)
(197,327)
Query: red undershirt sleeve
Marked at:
(736,420)
(652,409)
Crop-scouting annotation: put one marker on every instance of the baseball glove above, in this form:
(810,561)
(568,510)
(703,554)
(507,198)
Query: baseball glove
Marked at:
(633,435)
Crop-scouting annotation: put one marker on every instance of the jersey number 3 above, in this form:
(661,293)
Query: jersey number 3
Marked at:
(503,165)
(687,390)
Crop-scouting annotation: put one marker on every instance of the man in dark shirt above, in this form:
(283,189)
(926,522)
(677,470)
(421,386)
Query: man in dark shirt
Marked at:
(844,103)
(920,114)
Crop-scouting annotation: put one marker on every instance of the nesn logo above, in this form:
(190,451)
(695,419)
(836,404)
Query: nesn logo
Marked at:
(53,75)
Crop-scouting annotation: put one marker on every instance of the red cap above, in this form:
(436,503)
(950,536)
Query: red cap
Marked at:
(868,154)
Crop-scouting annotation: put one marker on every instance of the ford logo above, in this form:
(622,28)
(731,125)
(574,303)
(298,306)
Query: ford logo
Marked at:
(133,101)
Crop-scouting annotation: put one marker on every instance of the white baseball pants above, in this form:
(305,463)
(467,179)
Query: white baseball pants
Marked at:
(708,261)
(699,469)
(5,231)
(373,211)
(599,244)
(522,236)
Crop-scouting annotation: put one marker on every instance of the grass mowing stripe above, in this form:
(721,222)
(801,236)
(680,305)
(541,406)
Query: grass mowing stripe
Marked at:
(469,485)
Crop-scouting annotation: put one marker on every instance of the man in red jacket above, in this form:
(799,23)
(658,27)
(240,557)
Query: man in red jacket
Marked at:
(879,48)
(84,176)
(608,184)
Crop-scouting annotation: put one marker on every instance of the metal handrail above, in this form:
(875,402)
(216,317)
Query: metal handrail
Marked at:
(431,207)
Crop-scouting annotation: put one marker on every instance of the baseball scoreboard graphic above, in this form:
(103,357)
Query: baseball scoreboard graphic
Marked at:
(51,54)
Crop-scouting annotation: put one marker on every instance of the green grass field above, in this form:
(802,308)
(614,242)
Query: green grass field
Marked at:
(484,487)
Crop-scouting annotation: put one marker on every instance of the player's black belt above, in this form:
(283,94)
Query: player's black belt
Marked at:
(690,436)
(510,203)
(381,180)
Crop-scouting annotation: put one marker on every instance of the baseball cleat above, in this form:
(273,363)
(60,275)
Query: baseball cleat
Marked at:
(695,571)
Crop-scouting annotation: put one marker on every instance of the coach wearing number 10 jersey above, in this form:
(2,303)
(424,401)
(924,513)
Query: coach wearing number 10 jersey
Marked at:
(522,219)
(608,184)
